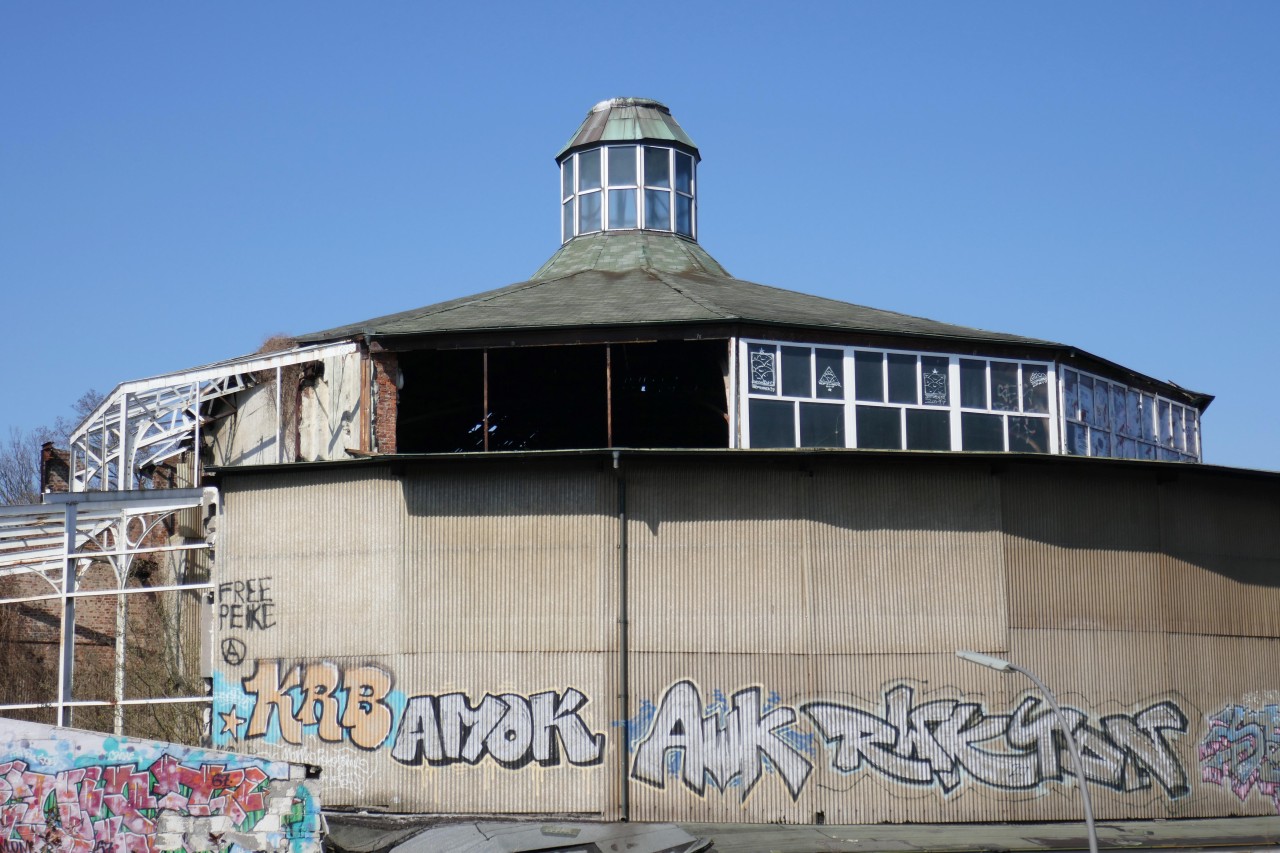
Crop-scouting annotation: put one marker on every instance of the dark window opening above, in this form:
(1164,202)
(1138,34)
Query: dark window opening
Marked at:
(665,394)
(670,394)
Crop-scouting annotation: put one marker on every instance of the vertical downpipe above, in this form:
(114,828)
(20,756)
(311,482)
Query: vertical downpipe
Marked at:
(608,394)
(624,650)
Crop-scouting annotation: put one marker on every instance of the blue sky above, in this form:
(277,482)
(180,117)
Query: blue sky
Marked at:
(180,181)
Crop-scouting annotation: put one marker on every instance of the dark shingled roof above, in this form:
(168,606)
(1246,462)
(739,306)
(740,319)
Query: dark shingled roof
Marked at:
(642,278)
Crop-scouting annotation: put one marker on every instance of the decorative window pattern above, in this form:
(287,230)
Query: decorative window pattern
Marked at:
(625,187)
(812,396)
(1106,418)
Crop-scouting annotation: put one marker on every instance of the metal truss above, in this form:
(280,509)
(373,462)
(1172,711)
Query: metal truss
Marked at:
(148,421)
(56,542)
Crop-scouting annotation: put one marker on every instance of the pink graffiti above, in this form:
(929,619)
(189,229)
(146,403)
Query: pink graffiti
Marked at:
(112,808)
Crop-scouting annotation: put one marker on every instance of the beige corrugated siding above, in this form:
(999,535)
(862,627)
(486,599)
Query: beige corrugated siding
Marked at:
(827,584)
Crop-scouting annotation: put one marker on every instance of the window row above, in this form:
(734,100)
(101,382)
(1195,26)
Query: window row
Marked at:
(1106,418)
(622,187)
(787,423)
(902,401)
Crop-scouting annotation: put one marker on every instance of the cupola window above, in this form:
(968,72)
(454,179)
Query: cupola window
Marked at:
(627,187)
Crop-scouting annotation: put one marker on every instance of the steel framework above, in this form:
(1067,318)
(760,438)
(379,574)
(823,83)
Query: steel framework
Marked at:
(148,421)
(56,542)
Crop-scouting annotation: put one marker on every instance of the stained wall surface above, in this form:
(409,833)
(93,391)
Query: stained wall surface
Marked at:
(758,637)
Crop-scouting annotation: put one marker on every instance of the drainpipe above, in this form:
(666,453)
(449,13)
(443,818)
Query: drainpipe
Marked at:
(624,650)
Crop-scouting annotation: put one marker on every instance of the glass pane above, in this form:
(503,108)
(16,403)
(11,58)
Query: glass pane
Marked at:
(796,379)
(772,423)
(657,167)
(1070,395)
(829,365)
(1099,443)
(821,425)
(868,376)
(973,384)
(622,166)
(1133,413)
(1124,448)
(1179,431)
(1101,405)
(684,215)
(566,178)
(1193,432)
(981,432)
(622,208)
(934,382)
(589,170)
(657,209)
(684,173)
(567,221)
(1035,388)
(1166,431)
(879,428)
(1004,386)
(928,430)
(1119,410)
(1028,435)
(588,212)
(762,364)
(1086,399)
(902,378)
(1146,451)
(1077,439)
(1149,417)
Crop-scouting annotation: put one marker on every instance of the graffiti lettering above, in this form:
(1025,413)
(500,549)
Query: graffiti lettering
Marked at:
(343,704)
(246,605)
(117,807)
(1241,751)
(725,744)
(940,742)
(510,729)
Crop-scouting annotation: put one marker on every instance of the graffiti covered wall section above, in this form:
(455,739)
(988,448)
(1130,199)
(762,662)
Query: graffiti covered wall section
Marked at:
(71,791)
(729,747)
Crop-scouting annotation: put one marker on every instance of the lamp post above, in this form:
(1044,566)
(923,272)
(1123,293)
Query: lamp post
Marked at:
(1002,665)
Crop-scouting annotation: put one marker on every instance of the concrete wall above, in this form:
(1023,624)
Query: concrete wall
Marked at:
(75,791)
(446,635)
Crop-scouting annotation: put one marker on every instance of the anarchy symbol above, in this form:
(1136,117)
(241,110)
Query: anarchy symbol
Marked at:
(233,651)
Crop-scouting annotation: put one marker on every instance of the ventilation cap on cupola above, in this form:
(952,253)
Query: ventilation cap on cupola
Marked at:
(629,167)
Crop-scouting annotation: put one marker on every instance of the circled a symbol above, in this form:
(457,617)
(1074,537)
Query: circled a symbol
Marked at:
(233,651)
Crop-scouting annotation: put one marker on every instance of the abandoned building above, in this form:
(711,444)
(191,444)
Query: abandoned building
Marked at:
(636,541)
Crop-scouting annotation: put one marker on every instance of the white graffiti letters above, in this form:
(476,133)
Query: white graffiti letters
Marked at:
(510,729)
(725,747)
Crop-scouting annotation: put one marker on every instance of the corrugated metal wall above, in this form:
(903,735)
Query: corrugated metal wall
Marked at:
(791,628)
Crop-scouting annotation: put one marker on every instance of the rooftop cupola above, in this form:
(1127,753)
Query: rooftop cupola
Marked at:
(629,167)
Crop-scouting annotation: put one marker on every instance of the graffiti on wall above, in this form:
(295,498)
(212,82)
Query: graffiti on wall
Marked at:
(1241,751)
(280,703)
(732,742)
(941,742)
(79,792)
(512,730)
(729,742)
(243,605)
(283,702)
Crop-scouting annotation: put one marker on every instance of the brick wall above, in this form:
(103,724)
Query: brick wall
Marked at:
(386,369)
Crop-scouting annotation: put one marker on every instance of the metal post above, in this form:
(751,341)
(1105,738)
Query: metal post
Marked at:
(279,422)
(67,652)
(1002,665)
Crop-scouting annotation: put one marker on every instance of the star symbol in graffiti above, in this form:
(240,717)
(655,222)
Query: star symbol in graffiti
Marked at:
(231,722)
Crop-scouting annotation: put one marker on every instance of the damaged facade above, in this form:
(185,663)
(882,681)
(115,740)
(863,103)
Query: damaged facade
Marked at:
(637,540)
